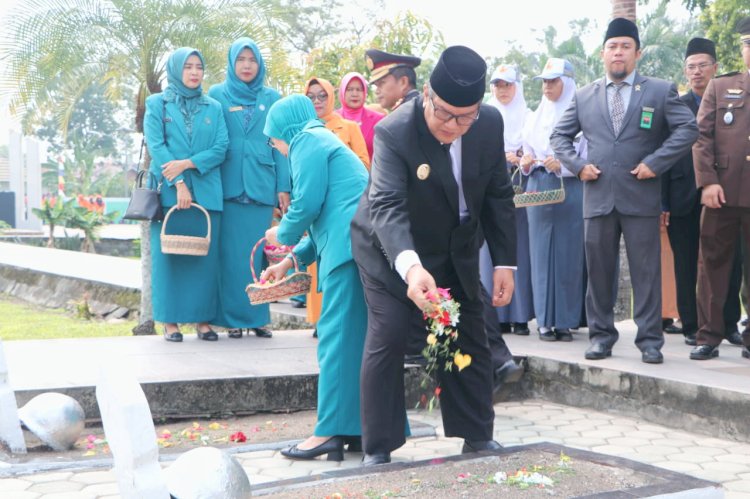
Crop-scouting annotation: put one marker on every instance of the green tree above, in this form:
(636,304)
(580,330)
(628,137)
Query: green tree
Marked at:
(663,43)
(48,45)
(93,119)
(719,19)
(89,222)
(54,212)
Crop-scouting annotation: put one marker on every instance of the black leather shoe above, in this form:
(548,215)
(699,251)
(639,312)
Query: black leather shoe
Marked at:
(235,333)
(547,335)
(521,328)
(563,334)
(734,337)
(509,372)
(690,339)
(209,335)
(334,447)
(652,355)
(175,337)
(673,329)
(505,327)
(746,352)
(704,352)
(479,445)
(375,459)
(598,351)
(261,332)
(298,304)
(315,333)
(353,443)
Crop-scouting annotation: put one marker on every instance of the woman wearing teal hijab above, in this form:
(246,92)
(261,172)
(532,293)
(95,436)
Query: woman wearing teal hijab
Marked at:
(327,181)
(187,140)
(255,180)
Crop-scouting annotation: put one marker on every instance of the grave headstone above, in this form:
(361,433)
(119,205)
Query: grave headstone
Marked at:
(130,433)
(10,426)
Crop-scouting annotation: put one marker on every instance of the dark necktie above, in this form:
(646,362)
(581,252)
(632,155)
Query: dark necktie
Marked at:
(618,107)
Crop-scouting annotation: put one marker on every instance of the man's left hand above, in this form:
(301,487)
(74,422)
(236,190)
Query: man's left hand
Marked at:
(502,287)
(643,172)
(271,236)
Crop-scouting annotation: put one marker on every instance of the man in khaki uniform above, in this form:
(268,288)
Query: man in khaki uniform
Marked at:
(721,157)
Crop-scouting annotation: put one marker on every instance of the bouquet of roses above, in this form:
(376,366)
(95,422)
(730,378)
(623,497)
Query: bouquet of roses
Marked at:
(442,321)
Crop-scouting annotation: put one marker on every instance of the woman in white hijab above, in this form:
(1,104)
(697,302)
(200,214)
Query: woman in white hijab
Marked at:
(507,97)
(555,230)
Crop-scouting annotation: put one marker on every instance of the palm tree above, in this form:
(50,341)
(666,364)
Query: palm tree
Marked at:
(54,50)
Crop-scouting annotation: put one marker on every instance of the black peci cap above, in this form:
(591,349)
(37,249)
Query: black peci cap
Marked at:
(620,26)
(381,63)
(459,76)
(701,46)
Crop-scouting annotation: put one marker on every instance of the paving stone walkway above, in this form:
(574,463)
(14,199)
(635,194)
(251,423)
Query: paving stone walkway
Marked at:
(516,423)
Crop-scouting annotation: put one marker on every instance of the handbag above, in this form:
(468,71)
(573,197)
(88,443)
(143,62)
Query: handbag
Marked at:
(145,203)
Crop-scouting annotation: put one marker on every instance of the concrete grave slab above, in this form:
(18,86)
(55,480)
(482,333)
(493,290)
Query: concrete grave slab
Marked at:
(10,426)
(130,433)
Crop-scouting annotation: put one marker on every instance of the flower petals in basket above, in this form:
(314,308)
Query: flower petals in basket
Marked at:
(274,254)
(298,283)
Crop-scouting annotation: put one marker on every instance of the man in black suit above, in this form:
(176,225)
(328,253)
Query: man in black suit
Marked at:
(681,207)
(438,187)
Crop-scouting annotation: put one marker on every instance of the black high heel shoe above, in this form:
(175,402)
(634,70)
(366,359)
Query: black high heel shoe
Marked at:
(235,333)
(209,335)
(174,336)
(334,447)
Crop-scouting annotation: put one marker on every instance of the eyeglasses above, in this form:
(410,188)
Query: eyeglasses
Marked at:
(702,66)
(443,115)
(270,143)
(322,97)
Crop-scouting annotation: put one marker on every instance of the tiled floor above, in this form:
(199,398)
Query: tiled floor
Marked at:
(724,461)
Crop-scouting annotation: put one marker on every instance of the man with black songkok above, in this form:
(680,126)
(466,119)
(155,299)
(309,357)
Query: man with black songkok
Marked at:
(438,187)
(637,128)
(393,76)
(681,207)
(721,157)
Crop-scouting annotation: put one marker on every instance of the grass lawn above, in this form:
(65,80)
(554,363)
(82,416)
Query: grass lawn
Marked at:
(22,321)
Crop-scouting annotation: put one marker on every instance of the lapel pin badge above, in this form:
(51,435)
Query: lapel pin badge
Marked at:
(262,107)
(637,88)
(423,171)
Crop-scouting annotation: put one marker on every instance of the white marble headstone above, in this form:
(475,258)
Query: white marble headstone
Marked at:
(10,426)
(130,433)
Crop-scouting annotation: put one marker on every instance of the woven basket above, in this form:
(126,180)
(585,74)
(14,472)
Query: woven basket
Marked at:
(176,244)
(274,257)
(523,199)
(298,283)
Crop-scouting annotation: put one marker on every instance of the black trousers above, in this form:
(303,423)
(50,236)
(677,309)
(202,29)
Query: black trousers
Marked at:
(642,244)
(684,238)
(466,396)
(498,349)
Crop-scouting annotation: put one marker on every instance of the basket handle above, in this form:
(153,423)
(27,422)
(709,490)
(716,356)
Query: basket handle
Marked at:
(516,172)
(192,205)
(252,259)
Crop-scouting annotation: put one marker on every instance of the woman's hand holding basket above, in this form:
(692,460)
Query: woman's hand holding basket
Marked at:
(275,273)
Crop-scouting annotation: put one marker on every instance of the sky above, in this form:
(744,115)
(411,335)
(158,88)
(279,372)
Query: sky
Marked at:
(485,26)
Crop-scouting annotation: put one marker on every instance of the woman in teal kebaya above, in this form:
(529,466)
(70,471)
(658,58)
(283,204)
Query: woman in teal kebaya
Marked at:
(187,140)
(327,181)
(255,180)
